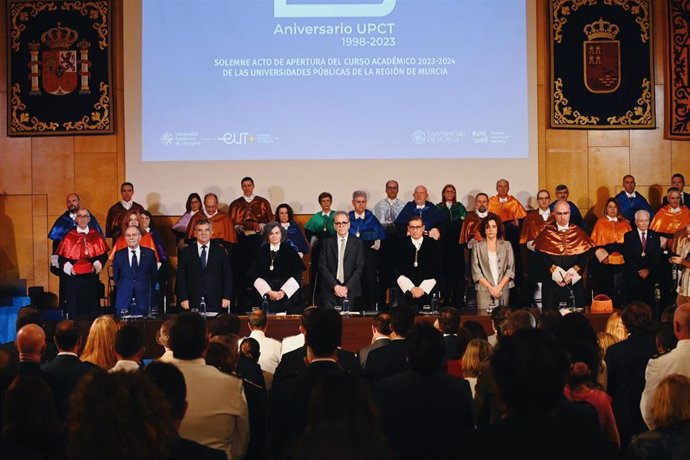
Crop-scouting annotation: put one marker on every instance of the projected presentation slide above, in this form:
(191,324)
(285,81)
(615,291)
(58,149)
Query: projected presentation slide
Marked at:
(333,79)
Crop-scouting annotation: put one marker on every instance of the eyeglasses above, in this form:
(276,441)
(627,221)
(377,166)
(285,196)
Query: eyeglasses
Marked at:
(82,217)
(360,202)
(341,223)
(415,227)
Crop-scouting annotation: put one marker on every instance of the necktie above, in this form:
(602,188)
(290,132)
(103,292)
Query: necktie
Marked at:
(340,274)
(203,257)
(643,240)
(135,262)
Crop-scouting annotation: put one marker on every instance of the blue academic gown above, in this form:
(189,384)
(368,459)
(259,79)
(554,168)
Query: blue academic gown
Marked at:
(369,228)
(138,284)
(296,238)
(629,206)
(64,224)
(432,216)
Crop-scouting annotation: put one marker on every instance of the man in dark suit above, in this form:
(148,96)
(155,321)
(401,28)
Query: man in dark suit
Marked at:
(66,364)
(290,398)
(391,359)
(642,253)
(204,271)
(341,264)
(626,363)
(417,266)
(410,400)
(135,273)
(380,335)
(293,363)
(678,181)
(449,324)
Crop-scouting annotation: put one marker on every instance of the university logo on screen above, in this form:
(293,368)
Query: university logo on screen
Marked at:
(285,9)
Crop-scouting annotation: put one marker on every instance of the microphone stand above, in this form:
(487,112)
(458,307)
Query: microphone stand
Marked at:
(571,294)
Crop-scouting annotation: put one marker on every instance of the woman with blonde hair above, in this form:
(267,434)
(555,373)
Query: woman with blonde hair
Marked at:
(100,344)
(670,437)
(477,351)
(615,326)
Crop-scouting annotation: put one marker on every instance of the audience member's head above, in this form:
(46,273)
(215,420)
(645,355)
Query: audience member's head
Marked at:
(324,331)
(402,319)
(31,342)
(425,349)
(449,320)
(258,320)
(464,338)
(681,322)
(249,348)
(499,316)
(100,344)
(28,315)
(667,313)
(28,410)
(475,329)
(170,381)
(225,324)
(615,326)
(477,351)
(118,415)
(517,320)
(381,324)
(637,318)
(343,422)
(163,334)
(605,340)
(225,356)
(68,336)
(666,339)
(584,363)
(188,339)
(129,343)
(530,368)
(551,321)
(671,402)
(305,316)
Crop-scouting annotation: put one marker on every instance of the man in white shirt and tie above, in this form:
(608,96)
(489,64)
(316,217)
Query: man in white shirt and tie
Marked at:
(341,264)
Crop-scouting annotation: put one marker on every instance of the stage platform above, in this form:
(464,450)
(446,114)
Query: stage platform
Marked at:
(356,330)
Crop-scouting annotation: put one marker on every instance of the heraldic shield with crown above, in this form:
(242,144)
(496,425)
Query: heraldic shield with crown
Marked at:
(601,64)
(60,68)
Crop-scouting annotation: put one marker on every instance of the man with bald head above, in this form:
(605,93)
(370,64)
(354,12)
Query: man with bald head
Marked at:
(564,248)
(222,230)
(420,206)
(676,361)
(31,342)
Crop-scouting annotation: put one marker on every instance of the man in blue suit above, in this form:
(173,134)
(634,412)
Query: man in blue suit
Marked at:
(135,274)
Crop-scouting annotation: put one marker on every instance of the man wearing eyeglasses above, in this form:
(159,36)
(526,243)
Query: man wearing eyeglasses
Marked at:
(341,264)
(81,255)
(418,266)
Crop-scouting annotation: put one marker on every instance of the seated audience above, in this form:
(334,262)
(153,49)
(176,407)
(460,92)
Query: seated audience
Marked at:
(416,425)
(100,343)
(626,362)
(30,422)
(475,329)
(615,326)
(269,348)
(380,336)
(391,359)
(118,415)
(477,351)
(449,324)
(66,364)
(670,414)
(666,339)
(221,423)
(163,339)
(255,389)
(129,349)
(170,382)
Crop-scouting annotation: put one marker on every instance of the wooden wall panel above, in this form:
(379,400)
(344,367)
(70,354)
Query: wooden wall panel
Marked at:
(16,237)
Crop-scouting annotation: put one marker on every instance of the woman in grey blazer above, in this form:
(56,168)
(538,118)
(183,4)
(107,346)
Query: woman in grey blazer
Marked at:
(493,265)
